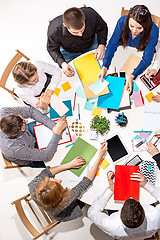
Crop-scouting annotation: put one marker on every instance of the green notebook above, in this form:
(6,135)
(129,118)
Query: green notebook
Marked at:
(80,149)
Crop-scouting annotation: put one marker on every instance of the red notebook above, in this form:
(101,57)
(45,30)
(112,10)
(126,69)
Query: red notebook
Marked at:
(124,188)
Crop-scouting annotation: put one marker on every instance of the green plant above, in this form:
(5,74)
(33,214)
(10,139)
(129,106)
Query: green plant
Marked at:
(100,124)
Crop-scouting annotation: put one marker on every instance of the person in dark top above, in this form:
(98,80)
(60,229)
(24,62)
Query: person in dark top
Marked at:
(153,150)
(75,32)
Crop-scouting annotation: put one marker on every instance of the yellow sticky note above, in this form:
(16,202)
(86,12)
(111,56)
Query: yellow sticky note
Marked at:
(149,96)
(97,173)
(104,163)
(66,86)
(97,111)
(57,91)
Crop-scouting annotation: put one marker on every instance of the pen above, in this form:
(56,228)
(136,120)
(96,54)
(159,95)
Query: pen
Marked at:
(74,101)
(78,111)
(140,143)
(141,96)
(69,145)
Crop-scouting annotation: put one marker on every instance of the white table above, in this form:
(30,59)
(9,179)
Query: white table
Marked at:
(135,122)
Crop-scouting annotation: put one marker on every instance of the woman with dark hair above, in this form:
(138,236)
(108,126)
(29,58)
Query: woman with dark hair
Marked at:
(135,30)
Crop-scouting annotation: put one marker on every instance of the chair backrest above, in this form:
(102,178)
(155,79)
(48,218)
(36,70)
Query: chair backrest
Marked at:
(155,18)
(8,70)
(44,220)
(9,165)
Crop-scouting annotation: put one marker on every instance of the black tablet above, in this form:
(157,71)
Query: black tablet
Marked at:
(117,149)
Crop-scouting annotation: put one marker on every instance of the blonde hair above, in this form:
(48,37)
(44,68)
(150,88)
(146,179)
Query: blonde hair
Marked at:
(23,71)
(50,194)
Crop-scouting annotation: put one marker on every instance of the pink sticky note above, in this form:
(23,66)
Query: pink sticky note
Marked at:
(138,103)
(74,138)
(144,135)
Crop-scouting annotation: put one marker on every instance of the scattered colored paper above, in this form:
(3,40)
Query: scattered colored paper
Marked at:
(66,86)
(136,97)
(89,105)
(54,114)
(58,105)
(74,138)
(144,135)
(149,97)
(98,86)
(125,100)
(130,64)
(83,149)
(97,111)
(80,92)
(97,173)
(113,99)
(104,163)
(57,91)
(135,87)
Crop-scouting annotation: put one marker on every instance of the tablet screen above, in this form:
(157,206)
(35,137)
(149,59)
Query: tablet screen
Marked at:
(116,148)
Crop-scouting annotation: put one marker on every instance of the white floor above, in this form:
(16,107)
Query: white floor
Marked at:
(23,26)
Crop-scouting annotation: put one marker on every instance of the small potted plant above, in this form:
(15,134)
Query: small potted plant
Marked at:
(100,124)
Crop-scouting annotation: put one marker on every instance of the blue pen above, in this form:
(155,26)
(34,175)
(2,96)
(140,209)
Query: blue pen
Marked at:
(78,111)
(122,115)
(69,145)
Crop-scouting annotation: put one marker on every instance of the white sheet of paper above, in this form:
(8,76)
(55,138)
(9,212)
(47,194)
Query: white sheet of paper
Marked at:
(151,116)
(125,101)
(98,86)
(44,135)
(58,105)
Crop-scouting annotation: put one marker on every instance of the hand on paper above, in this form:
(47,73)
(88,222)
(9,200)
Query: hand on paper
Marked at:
(102,150)
(48,92)
(129,83)
(100,51)
(67,69)
(151,73)
(138,176)
(60,125)
(157,134)
(102,73)
(43,102)
(77,162)
(152,149)
(156,98)
(110,177)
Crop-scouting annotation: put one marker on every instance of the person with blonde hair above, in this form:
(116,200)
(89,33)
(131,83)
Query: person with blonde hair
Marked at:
(34,81)
(134,30)
(62,203)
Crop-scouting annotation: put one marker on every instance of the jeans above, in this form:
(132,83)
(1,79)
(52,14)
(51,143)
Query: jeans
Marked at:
(34,164)
(68,56)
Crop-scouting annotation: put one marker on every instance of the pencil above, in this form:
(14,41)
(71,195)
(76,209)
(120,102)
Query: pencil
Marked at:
(74,101)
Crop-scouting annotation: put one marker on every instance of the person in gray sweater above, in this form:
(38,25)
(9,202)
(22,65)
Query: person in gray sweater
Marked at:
(18,144)
(63,204)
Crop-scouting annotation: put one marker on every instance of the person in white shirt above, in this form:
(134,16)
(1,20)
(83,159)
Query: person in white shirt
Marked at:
(154,70)
(131,222)
(33,80)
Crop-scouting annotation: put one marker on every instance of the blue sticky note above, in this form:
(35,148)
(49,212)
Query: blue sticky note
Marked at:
(98,86)
(135,88)
(113,99)
(80,92)
(89,105)
(54,114)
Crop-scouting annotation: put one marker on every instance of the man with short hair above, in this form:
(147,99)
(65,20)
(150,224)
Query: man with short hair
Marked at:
(18,143)
(76,32)
(133,221)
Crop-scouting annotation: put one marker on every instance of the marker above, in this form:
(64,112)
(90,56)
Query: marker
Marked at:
(69,145)
(78,111)
(74,101)
(141,96)
(140,143)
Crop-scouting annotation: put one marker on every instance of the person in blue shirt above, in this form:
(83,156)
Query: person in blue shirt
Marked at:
(135,30)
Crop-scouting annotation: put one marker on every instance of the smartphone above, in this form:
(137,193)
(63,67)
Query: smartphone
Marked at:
(134,161)
(154,140)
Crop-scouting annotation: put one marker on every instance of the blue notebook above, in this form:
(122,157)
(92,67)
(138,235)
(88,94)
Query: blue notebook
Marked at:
(54,114)
(113,99)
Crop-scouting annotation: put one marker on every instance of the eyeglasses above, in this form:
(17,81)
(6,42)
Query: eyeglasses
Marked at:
(140,11)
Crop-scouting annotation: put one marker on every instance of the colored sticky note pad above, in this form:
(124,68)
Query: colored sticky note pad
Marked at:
(98,86)
(89,105)
(104,163)
(149,97)
(80,92)
(57,91)
(66,86)
(54,114)
(97,111)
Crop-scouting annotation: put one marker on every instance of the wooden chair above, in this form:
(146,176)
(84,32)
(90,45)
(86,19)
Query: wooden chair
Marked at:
(155,19)
(9,165)
(37,213)
(8,70)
